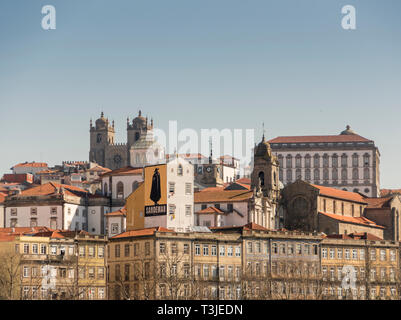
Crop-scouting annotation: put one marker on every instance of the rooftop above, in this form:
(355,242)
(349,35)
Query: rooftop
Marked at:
(340,194)
(355,220)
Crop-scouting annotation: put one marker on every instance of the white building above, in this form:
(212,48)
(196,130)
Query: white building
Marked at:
(179,195)
(57,207)
(346,161)
(29,167)
(119,184)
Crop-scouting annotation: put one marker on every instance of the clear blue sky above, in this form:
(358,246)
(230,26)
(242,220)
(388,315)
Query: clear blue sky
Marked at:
(205,63)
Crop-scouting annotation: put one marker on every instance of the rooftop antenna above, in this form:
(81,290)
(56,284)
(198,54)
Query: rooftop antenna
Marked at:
(263,126)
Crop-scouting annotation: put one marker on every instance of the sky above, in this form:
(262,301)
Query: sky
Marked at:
(206,64)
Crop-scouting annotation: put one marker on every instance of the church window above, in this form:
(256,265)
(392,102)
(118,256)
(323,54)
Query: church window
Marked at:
(298,174)
(99,138)
(120,190)
(261,178)
(179,170)
(326,174)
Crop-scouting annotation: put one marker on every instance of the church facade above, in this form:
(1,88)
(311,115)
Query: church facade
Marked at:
(140,149)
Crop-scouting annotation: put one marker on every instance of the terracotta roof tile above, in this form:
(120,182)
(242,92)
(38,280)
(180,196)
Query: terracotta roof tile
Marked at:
(121,212)
(211,210)
(244,181)
(340,194)
(386,192)
(141,232)
(221,195)
(53,188)
(378,202)
(126,171)
(356,220)
(31,165)
(317,139)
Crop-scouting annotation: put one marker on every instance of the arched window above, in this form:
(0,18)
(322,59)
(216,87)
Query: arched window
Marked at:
(325,160)
(344,160)
(335,174)
(344,175)
(298,161)
(280,175)
(334,160)
(366,173)
(307,161)
(298,174)
(307,174)
(261,178)
(355,174)
(120,190)
(280,160)
(355,160)
(179,170)
(316,175)
(135,185)
(366,160)
(316,161)
(289,175)
(326,174)
(289,161)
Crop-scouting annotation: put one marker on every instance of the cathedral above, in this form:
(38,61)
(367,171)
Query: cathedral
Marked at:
(141,148)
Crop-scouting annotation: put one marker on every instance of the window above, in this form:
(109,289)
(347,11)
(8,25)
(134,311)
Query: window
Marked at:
(100,252)
(126,250)
(186,248)
(383,255)
(206,271)
(331,253)
(230,251)
(120,190)
(179,170)
(222,251)
(392,255)
(34,211)
(91,251)
(354,254)
(324,253)
(347,254)
(147,248)
(53,250)
(188,210)
(249,246)
(26,248)
(188,188)
(214,250)
(117,250)
(361,254)
(205,250)
(197,249)
(13,211)
(174,249)
(238,251)
(162,248)
(42,249)
(372,254)
(35,249)
(53,210)
(26,272)
(171,187)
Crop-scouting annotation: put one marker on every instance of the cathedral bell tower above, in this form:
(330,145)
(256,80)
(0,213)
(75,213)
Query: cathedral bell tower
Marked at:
(101,136)
(265,171)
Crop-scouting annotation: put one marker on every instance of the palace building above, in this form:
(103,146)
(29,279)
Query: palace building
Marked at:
(346,161)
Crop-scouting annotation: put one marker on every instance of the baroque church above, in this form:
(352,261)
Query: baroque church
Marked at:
(141,148)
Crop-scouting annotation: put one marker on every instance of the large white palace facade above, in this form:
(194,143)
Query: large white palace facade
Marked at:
(346,161)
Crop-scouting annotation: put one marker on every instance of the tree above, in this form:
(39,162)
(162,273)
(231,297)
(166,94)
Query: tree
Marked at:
(10,276)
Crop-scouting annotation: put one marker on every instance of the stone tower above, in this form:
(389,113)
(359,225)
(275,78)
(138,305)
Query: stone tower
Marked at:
(265,171)
(101,136)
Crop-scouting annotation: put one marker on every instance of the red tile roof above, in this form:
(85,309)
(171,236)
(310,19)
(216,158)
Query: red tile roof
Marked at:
(31,165)
(53,188)
(244,181)
(24,230)
(2,197)
(210,210)
(141,232)
(317,139)
(237,186)
(121,212)
(386,192)
(340,194)
(374,203)
(355,220)
(126,171)
(220,195)
(355,236)
(99,169)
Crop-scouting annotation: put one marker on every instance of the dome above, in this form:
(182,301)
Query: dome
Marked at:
(101,122)
(348,131)
(139,120)
(263,149)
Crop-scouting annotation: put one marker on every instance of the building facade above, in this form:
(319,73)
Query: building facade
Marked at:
(346,161)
